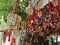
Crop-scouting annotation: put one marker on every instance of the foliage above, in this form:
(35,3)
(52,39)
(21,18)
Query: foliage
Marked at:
(6,8)
(21,10)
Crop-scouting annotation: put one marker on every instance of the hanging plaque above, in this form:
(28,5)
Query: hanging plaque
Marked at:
(29,10)
(11,19)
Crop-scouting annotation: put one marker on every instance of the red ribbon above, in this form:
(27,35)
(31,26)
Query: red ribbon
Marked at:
(9,34)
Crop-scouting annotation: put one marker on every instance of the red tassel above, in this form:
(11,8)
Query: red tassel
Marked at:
(13,41)
(8,38)
(49,4)
(35,11)
(9,34)
(30,18)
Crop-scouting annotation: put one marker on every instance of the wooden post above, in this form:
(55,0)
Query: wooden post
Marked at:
(14,6)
